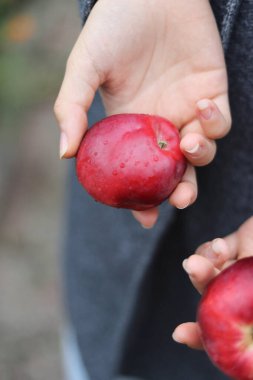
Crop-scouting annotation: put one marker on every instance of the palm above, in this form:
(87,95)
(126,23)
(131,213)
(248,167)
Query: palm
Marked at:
(146,73)
(174,99)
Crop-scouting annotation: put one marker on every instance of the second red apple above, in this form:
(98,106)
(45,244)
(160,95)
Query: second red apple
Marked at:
(225,317)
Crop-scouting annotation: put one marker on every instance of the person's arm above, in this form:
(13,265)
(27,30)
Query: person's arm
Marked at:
(209,259)
(159,57)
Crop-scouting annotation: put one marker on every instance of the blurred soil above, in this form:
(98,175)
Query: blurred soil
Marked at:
(35,39)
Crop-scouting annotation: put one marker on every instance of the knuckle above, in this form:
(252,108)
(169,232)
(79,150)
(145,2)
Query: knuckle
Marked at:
(250,223)
(229,124)
(58,109)
(213,151)
(70,64)
(206,153)
(226,126)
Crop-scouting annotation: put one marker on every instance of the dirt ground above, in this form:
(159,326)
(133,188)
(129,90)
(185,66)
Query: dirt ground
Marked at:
(32,187)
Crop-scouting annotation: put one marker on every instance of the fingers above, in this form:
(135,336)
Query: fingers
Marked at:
(200,270)
(198,146)
(209,259)
(198,149)
(188,333)
(217,252)
(222,252)
(72,121)
(186,191)
(210,123)
(239,243)
(242,239)
(76,94)
(146,218)
(214,117)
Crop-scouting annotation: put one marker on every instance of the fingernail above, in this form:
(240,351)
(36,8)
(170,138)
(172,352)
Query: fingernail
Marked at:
(192,149)
(175,336)
(63,144)
(217,245)
(146,227)
(204,109)
(183,207)
(185,265)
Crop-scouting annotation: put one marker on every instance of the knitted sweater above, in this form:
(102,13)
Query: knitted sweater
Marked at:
(125,288)
(85,8)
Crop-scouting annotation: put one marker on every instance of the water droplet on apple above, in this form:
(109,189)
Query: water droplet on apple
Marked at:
(122,165)
(156,158)
(114,172)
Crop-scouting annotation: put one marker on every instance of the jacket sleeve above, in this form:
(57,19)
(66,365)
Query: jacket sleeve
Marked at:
(85,8)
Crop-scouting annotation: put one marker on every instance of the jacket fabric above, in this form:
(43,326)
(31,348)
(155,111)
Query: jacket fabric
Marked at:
(125,287)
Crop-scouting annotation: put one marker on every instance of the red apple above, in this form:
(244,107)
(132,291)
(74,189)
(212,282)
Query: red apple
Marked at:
(225,317)
(131,161)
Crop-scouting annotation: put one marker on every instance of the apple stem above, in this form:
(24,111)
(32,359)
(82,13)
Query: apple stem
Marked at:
(162,144)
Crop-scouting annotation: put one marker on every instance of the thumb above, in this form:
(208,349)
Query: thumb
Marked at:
(77,92)
(245,238)
(240,242)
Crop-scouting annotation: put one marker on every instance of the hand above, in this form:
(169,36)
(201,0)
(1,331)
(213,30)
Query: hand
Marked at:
(159,57)
(209,259)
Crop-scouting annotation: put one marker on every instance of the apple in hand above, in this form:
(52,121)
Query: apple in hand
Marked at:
(225,317)
(130,161)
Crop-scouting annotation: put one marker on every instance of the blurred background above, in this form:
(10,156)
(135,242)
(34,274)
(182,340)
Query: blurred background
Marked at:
(36,37)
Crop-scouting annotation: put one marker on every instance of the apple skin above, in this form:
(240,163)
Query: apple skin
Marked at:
(121,164)
(225,317)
